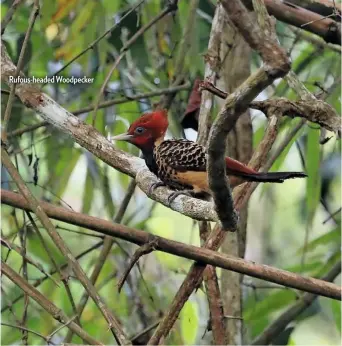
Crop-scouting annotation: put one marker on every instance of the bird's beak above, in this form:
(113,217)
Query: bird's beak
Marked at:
(123,137)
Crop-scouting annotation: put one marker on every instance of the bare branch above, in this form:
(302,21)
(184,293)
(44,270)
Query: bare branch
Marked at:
(202,255)
(52,272)
(105,251)
(141,251)
(309,108)
(52,309)
(19,250)
(46,222)
(26,329)
(297,16)
(213,295)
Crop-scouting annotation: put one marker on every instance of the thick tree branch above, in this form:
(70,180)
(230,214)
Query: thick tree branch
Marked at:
(323,7)
(314,110)
(276,64)
(202,255)
(297,16)
(213,295)
(89,138)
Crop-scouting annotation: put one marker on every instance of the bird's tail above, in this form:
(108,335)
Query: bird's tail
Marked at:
(272,177)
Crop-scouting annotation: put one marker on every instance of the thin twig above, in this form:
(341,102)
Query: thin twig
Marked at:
(48,306)
(49,337)
(20,251)
(27,330)
(105,251)
(9,15)
(95,42)
(8,111)
(136,337)
(114,325)
(55,265)
(52,272)
(141,251)
(171,6)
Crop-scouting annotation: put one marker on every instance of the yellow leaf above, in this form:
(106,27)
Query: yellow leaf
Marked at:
(64,8)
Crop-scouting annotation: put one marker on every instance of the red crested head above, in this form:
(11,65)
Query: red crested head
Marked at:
(146,130)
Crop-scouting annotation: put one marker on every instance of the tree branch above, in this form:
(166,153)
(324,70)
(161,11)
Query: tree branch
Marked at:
(105,251)
(54,235)
(51,272)
(202,255)
(276,64)
(141,251)
(297,16)
(314,110)
(52,309)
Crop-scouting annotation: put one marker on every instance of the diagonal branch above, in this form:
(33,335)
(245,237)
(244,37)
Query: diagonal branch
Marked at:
(89,138)
(52,309)
(51,272)
(105,251)
(114,325)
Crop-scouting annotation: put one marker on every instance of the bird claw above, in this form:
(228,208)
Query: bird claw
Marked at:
(174,195)
(154,186)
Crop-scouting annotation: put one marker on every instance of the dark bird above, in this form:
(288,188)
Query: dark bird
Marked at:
(181,164)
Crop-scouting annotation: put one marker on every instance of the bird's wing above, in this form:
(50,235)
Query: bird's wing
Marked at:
(183,155)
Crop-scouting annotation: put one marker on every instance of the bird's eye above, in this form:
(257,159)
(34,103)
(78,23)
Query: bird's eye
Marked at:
(139,130)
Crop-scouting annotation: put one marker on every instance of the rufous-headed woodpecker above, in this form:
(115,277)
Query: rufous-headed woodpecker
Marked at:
(182,164)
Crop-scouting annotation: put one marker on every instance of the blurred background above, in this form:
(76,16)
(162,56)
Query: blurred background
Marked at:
(293,226)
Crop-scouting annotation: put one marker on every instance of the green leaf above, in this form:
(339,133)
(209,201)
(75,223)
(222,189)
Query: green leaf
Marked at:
(336,310)
(271,303)
(313,185)
(189,322)
(333,236)
(88,193)
(281,158)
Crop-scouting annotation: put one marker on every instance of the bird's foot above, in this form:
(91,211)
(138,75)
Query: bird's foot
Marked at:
(154,186)
(175,194)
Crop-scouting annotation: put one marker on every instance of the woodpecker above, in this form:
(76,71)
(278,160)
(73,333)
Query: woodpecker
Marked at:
(181,164)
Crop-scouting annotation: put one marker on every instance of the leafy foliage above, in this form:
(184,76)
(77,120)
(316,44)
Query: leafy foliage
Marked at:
(69,176)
